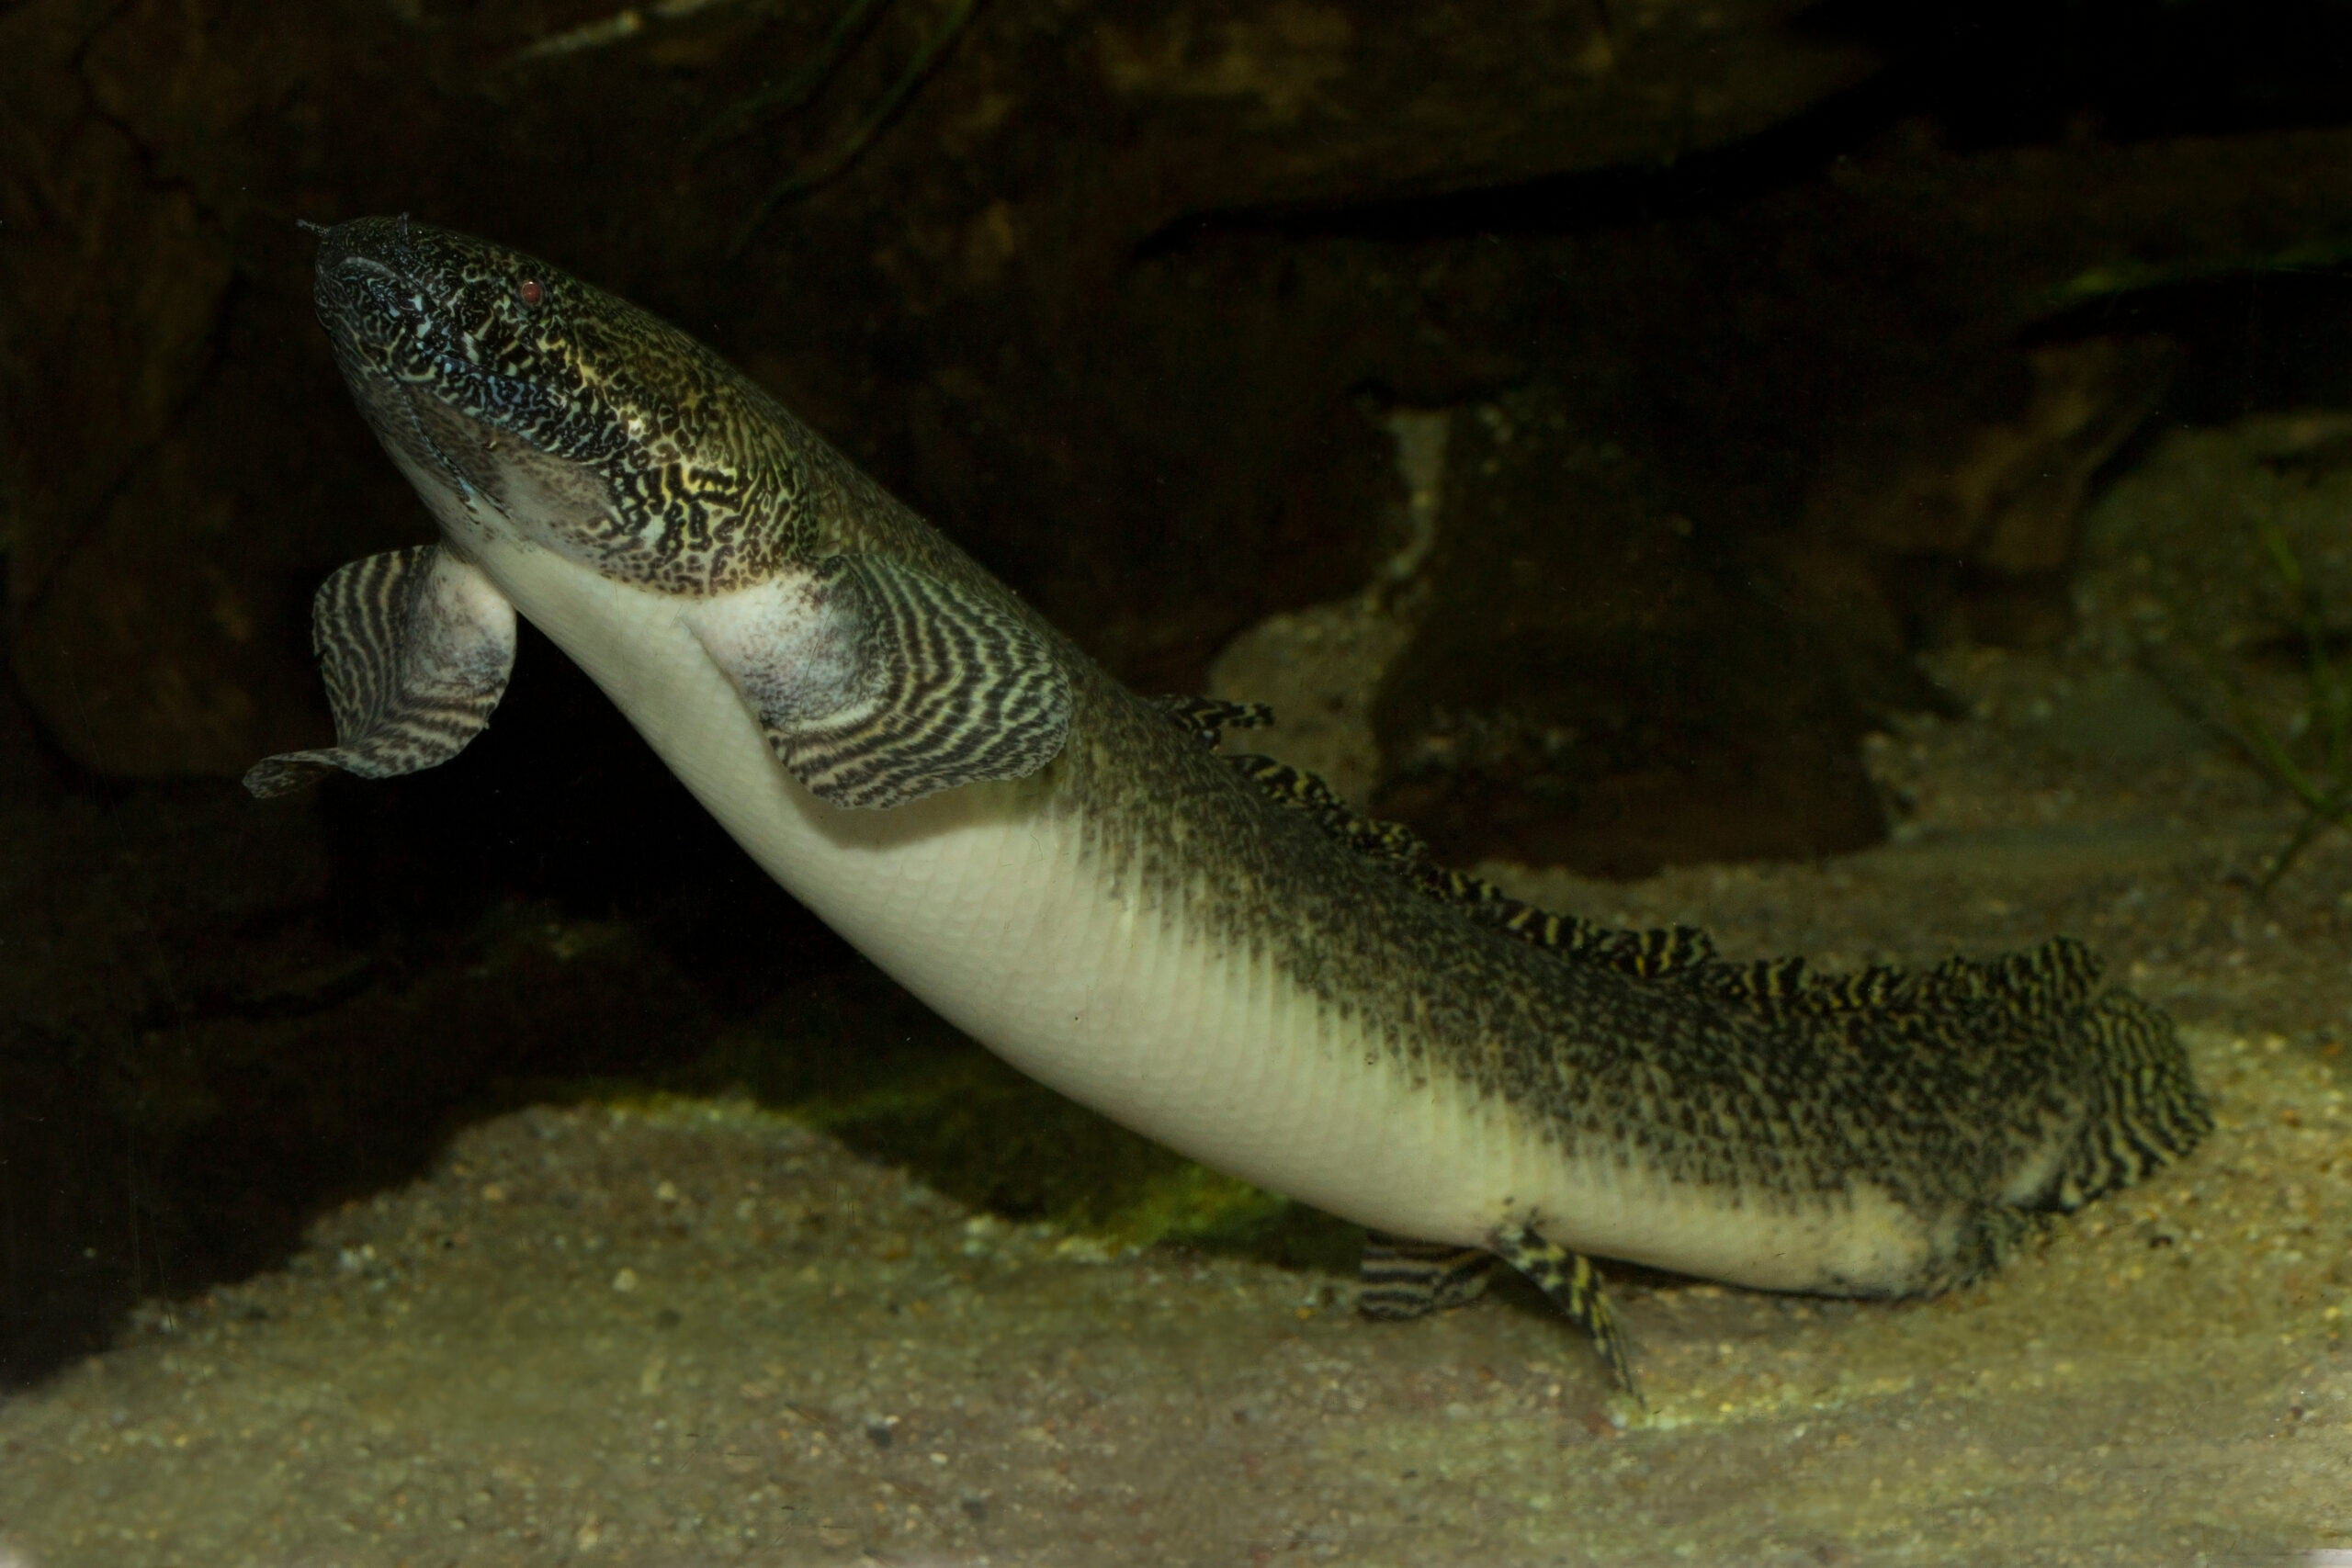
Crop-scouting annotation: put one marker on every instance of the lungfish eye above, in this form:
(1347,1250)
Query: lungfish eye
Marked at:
(531,292)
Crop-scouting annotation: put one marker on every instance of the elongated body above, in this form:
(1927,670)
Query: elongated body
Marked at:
(1081,885)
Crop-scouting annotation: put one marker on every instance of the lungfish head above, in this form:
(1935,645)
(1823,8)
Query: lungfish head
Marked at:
(539,417)
(525,403)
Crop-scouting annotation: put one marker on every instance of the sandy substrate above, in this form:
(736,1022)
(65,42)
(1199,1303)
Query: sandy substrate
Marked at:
(694,1332)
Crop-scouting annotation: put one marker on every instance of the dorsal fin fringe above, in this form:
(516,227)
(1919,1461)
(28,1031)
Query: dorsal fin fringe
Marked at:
(2053,982)
(1647,955)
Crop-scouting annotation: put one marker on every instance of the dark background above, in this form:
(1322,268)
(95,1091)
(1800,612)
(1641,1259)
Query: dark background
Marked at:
(1782,343)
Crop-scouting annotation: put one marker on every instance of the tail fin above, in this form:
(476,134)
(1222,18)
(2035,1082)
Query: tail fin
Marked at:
(2144,1107)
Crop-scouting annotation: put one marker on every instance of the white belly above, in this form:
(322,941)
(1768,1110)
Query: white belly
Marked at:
(987,908)
(986,905)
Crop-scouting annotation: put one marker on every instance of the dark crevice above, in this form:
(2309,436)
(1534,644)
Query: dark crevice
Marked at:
(1985,78)
(1581,201)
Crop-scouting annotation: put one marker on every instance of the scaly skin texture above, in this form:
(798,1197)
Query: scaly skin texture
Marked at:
(1895,1127)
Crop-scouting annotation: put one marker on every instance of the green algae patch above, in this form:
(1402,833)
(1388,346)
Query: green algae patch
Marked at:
(974,1128)
(862,1062)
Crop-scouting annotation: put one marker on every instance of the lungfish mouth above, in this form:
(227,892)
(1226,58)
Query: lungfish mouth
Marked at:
(424,410)
(437,443)
(370,295)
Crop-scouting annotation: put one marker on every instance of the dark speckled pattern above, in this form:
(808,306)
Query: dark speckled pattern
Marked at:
(1943,1089)
(705,484)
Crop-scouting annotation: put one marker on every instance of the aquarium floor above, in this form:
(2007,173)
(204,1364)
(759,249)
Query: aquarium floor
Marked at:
(693,1331)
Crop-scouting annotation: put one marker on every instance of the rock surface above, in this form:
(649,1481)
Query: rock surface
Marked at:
(1121,296)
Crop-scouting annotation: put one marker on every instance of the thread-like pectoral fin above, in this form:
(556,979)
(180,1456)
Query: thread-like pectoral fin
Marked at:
(415,646)
(877,685)
(1574,1285)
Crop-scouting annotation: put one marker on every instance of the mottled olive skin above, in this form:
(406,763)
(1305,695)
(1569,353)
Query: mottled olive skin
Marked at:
(706,483)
